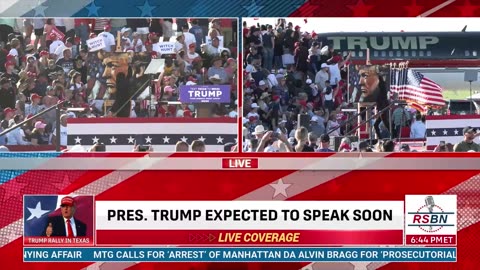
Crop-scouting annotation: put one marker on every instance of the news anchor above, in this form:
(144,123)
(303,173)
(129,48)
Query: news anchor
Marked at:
(66,225)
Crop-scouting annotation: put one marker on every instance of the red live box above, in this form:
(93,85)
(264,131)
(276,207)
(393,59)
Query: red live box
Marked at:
(240,163)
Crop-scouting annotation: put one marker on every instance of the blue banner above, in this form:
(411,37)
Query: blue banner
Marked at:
(205,93)
(170,254)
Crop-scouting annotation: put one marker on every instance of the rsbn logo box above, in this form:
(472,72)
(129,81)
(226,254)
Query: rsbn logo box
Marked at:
(431,220)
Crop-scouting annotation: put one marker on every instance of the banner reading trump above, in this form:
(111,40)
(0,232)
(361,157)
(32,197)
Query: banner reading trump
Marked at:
(205,93)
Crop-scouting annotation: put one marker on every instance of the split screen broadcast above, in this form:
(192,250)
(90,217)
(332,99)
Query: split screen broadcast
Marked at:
(251,85)
(173,85)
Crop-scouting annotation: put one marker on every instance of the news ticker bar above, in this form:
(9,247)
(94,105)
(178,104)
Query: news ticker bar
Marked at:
(171,254)
(205,163)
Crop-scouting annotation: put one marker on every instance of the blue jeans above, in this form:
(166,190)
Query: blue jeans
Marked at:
(268,58)
(278,62)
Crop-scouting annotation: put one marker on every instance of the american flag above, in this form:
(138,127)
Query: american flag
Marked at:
(353,83)
(416,89)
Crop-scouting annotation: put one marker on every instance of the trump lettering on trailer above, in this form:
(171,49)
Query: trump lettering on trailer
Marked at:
(431,219)
(205,93)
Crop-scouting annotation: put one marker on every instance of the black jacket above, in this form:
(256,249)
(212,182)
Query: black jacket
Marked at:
(58,227)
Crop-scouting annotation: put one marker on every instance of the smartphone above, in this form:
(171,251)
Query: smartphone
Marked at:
(143,148)
(100,148)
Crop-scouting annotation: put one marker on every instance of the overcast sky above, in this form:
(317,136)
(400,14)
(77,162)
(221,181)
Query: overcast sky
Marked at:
(377,24)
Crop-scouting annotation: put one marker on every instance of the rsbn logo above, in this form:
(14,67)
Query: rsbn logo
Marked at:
(431,217)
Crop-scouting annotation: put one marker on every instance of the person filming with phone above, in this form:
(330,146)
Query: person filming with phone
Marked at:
(468,145)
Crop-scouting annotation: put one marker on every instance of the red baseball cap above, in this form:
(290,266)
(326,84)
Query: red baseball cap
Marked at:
(67,201)
(8,110)
(34,96)
(44,53)
(192,45)
(92,35)
(297,27)
(9,63)
(107,27)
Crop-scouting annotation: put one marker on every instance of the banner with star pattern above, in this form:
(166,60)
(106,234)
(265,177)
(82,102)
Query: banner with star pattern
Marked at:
(122,134)
(448,129)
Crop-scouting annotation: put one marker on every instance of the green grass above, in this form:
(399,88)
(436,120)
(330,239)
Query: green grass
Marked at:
(457,94)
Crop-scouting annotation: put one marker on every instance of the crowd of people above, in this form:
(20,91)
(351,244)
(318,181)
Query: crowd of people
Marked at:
(44,62)
(297,99)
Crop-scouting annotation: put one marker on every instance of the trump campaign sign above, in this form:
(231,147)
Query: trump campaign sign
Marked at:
(205,93)
(58,33)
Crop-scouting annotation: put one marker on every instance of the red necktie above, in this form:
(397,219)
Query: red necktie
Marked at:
(69,227)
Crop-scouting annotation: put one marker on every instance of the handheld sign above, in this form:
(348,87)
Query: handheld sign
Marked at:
(205,93)
(95,44)
(167,47)
(208,39)
(58,33)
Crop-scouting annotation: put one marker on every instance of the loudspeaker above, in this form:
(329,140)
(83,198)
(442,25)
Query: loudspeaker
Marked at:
(471,75)
(303,120)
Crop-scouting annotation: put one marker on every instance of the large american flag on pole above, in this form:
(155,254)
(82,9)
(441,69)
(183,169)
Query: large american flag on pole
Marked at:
(415,88)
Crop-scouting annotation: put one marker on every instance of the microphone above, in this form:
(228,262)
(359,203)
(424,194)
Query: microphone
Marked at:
(430,203)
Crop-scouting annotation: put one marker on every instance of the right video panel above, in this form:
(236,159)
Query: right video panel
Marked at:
(361,85)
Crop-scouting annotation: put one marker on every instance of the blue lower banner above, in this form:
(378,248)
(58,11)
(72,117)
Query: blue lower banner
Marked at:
(198,254)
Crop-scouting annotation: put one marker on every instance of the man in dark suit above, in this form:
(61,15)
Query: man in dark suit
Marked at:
(66,224)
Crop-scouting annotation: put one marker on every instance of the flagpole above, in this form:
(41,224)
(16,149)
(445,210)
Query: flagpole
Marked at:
(392,73)
(471,98)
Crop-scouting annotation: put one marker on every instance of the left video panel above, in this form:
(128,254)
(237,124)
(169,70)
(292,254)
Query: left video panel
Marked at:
(118,85)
